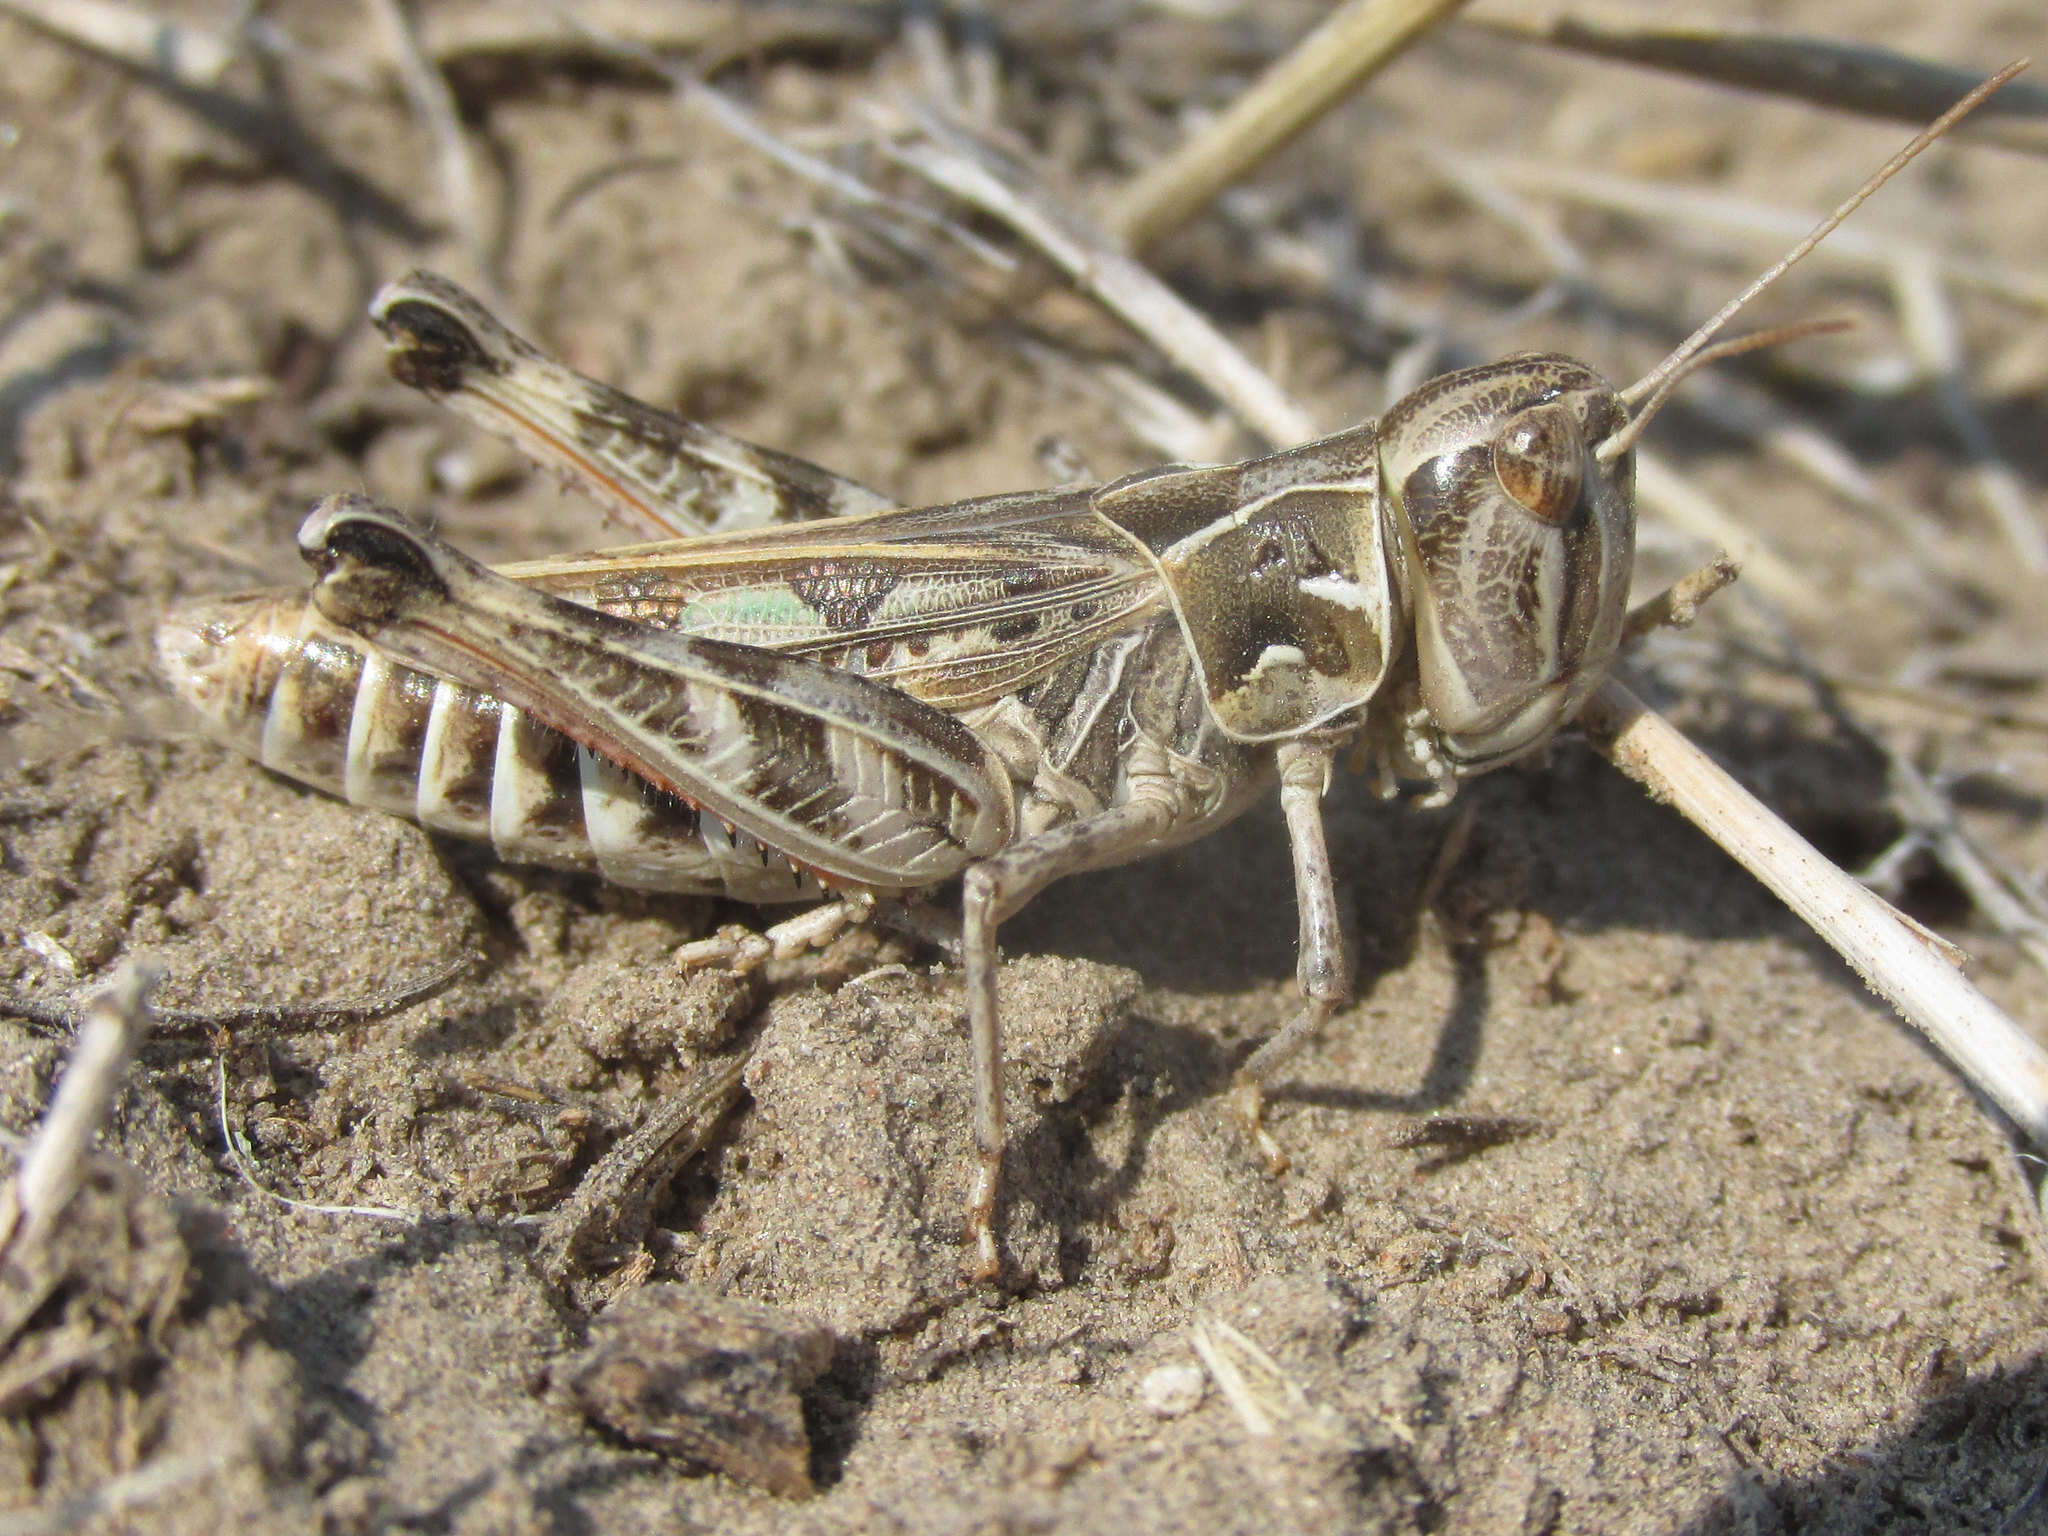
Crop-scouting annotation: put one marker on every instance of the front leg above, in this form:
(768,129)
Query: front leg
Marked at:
(1322,969)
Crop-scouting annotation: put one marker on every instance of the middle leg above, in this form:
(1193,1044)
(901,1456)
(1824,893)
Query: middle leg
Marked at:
(995,889)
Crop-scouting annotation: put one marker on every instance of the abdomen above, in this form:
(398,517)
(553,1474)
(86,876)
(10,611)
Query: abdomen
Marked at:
(280,684)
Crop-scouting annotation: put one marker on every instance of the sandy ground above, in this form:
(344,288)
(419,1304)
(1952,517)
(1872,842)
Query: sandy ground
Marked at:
(1616,1205)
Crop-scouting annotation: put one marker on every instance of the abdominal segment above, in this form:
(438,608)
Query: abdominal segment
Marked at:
(307,700)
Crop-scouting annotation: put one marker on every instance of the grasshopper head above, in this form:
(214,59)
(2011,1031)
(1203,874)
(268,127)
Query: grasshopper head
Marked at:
(1511,488)
(1517,537)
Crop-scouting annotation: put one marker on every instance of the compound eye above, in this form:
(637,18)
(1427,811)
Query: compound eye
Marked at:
(1538,459)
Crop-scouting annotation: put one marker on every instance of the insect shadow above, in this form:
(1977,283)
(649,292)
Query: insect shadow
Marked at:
(1568,843)
(1973,1457)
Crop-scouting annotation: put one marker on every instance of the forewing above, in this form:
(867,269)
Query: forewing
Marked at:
(957,605)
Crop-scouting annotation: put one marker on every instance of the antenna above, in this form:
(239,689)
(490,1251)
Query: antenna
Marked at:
(1654,387)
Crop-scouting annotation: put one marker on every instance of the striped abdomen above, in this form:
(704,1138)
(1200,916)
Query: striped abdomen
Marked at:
(277,682)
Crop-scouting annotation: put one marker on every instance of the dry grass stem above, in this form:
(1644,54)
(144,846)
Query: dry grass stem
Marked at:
(1665,493)
(981,63)
(924,39)
(1847,76)
(1993,1053)
(728,115)
(1266,1400)
(615,1199)
(62,1013)
(1933,335)
(710,32)
(1657,205)
(1353,44)
(1931,822)
(175,62)
(434,105)
(129,34)
(1123,286)
(54,1163)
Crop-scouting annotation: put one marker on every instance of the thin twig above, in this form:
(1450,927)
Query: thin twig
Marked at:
(981,63)
(1678,605)
(966,82)
(1827,72)
(54,1164)
(64,1013)
(1094,264)
(1266,1400)
(710,32)
(924,38)
(1357,41)
(243,1157)
(613,1202)
(115,29)
(1992,1052)
(727,114)
(184,65)
(434,104)
(148,1484)
(1660,206)
(1934,337)
(1931,822)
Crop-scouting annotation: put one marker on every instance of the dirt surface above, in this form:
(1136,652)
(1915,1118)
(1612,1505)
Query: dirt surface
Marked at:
(1616,1205)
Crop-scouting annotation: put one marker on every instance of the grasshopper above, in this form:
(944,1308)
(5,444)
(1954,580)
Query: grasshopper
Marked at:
(803,693)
